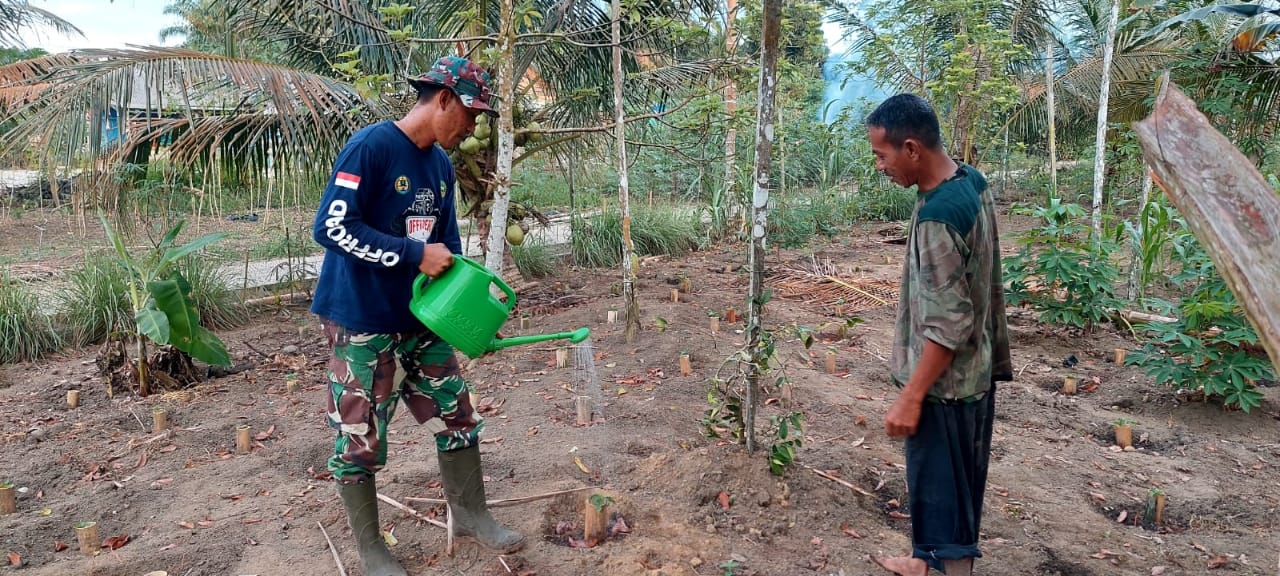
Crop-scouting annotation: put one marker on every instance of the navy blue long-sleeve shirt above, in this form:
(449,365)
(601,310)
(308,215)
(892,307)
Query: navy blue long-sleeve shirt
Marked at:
(385,201)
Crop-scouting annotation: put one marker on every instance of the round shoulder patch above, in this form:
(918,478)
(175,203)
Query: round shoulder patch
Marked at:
(402,184)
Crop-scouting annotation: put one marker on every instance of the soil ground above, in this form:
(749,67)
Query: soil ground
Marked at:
(1060,500)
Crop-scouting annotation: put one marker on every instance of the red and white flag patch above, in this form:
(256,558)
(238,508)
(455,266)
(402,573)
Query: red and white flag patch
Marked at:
(347,180)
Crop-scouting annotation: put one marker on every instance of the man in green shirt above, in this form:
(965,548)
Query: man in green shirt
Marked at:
(951,341)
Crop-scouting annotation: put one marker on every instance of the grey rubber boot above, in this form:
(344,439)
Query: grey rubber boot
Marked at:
(361,501)
(464,488)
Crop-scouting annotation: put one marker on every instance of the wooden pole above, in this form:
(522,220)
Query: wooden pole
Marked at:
(1228,205)
(8,501)
(685,368)
(87,536)
(73,399)
(159,420)
(583,407)
(1049,73)
(595,520)
(243,439)
(831,361)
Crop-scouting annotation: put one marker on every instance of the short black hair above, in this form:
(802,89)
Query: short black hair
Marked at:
(907,116)
(428,91)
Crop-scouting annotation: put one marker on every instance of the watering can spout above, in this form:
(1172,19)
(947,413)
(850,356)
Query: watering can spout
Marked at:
(575,336)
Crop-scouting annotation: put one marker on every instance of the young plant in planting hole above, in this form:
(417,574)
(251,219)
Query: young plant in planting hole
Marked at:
(160,295)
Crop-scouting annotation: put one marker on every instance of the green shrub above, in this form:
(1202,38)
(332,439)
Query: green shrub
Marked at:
(1208,347)
(1058,259)
(597,240)
(880,203)
(534,259)
(26,332)
(96,302)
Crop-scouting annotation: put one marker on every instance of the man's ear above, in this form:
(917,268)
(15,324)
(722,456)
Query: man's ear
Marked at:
(912,148)
(444,98)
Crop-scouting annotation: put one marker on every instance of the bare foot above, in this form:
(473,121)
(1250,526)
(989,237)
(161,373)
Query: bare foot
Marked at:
(903,565)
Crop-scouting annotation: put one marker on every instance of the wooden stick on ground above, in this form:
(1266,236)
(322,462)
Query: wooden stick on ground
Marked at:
(839,481)
(507,501)
(414,513)
(336,559)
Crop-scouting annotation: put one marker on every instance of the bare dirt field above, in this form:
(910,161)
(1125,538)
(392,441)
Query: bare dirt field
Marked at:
(1060,500)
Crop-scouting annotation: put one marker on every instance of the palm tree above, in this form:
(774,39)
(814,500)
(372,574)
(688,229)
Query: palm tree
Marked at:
(18,15)
(339,68)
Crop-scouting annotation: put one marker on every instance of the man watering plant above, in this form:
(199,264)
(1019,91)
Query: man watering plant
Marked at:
(951,342)
(386,215)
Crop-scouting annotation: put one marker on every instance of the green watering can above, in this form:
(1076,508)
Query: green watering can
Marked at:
(458,308)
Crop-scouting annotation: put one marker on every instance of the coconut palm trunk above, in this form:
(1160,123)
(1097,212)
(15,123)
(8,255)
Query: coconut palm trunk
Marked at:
(765,131)
(629,265)
(506,138)
(1100,143)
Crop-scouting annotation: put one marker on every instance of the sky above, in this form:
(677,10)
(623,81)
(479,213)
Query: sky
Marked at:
(105,23)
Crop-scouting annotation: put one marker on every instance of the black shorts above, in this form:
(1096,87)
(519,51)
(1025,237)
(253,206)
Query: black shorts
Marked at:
(946,477)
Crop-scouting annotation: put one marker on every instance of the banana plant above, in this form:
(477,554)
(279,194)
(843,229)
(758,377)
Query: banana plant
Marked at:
(160,295)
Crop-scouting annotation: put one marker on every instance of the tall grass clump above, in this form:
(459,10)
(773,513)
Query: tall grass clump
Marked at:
(597,240)
(212,294)
(880,204)
(534,259)
(95,303)
(26,333)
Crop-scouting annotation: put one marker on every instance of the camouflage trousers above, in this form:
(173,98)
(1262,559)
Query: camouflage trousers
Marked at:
(368,376)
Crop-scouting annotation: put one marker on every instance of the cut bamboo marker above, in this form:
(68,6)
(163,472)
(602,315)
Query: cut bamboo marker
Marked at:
(159,419)
(87,536)
(291,384)
(1120,354)
(243,439)
(73,399)
(685,368)
(562,357)
(715,325)
(524,322)
(839,310)
(731,316)
(595,515)
(583,405)
(1068,385)
(685,285)
(613,317)
(1124,435)
(475,399)
(1159,507)
(8,504)
(831,361)
(675,295)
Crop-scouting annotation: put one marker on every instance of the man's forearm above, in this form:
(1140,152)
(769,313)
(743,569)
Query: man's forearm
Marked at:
(933,363)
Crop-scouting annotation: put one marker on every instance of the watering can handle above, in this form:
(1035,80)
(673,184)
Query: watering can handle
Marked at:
(511,294)
(418,284)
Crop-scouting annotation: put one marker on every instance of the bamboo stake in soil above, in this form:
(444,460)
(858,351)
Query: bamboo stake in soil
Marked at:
(159,420)
(1124,436)
(613,317)
(1068,385)
(8,503)
(731,316)
(831,361)
(1120,354)
(685,368)
(562,357)
(524,322)
(243,439)
(73,399)
(685,285)
(675,294)
(337,561)
(583,405)
(1159,508)
(715,325)
(595,520)
(87,536)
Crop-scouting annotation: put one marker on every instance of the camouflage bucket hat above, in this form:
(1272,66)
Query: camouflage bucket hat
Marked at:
(465,78)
